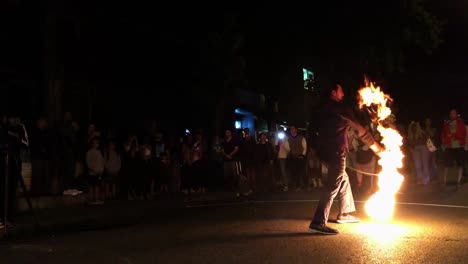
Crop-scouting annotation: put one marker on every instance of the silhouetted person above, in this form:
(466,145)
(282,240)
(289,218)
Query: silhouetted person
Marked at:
(14,138)
(332,149)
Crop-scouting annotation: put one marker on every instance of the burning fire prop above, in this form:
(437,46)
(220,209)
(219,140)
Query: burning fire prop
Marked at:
(380,205)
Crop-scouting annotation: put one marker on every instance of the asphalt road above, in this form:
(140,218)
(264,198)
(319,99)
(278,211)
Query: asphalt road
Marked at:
(260,231)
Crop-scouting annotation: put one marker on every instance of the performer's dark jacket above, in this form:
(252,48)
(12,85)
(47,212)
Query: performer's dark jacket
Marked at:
(333,122)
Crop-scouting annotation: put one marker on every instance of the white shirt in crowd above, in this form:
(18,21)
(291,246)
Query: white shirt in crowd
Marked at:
(284,148)
(95,162)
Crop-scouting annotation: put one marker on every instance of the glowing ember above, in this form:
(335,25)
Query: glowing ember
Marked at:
(380,205)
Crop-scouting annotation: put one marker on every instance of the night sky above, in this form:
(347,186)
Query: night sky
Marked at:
(155,59)
(440,80)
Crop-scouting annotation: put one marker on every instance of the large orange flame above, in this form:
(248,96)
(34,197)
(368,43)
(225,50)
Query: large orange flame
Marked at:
(380,205)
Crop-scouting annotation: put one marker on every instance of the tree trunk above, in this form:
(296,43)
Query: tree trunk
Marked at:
(53,70)
(53,82)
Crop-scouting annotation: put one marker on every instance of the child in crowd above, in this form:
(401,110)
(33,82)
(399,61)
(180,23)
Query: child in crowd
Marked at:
(95,163)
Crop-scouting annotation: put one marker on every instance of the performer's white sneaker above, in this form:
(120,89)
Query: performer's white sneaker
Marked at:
(346,218)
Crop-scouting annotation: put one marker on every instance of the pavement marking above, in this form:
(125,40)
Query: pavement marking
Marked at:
(215,204)
(307,201)
(436,205)
(28,247)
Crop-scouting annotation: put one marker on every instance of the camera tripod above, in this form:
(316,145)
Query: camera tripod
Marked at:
(8,158)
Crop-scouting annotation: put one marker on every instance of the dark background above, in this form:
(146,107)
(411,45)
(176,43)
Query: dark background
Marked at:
(136,60)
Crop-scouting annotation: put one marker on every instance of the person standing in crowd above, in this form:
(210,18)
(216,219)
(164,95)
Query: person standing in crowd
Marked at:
(282,154)
(263,155)
(165,172)
(42,151)
(146,180)
(95,164)
(431,132)
(113,164)
(129,157)
(314,168)
(230,148)
(198,165)
(297,149)
(365,163)
(333,123)
(417,140)
(217,161)
(453,138)
(246,153)
(68,155)
(353,144)
(14,138)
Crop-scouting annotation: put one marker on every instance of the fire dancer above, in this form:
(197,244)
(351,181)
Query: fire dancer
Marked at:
(333,123)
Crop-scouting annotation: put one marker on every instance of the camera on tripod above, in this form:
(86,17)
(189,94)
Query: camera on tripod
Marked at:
(13,139)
